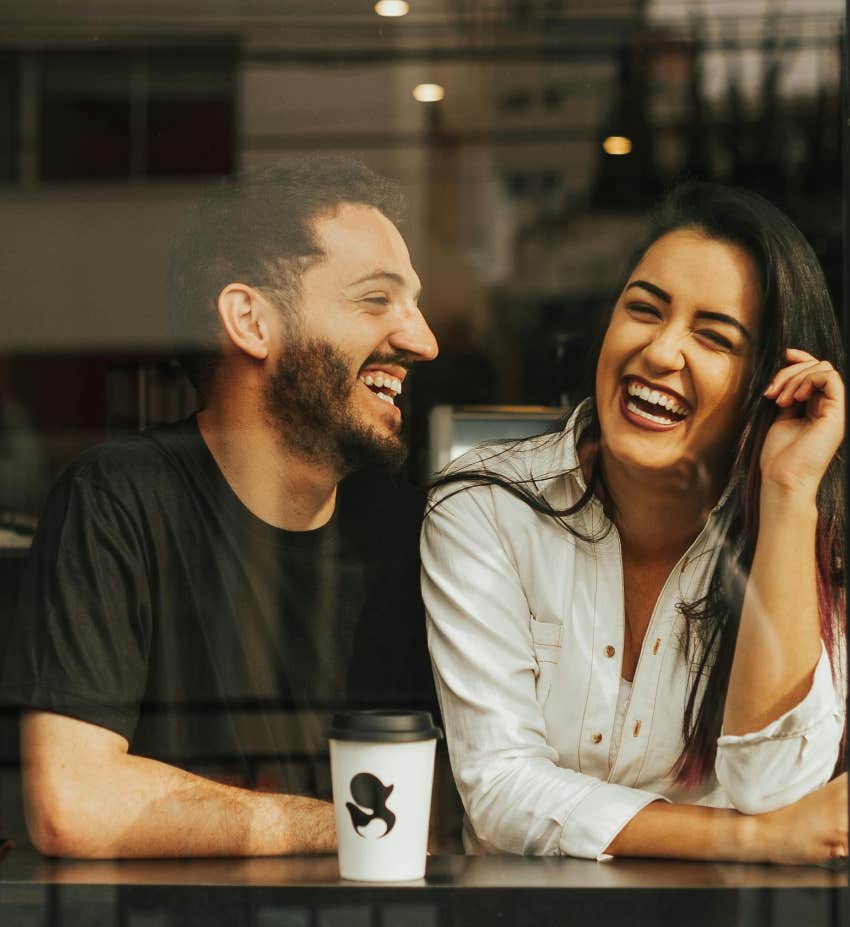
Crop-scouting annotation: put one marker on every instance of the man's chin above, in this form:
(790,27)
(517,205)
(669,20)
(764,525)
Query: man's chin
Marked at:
(359,450)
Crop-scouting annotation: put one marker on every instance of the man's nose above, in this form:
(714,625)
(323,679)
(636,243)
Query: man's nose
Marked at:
(665,350)
(413,336)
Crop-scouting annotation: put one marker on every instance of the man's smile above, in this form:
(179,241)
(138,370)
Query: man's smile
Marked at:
(384,381)
(382,384)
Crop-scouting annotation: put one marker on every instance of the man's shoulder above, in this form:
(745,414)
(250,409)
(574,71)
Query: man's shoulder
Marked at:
(145,459)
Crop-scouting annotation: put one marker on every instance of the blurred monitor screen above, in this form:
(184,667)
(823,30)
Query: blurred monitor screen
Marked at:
(453,430)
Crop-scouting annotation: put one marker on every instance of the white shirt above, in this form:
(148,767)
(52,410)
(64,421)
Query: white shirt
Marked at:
(525,628)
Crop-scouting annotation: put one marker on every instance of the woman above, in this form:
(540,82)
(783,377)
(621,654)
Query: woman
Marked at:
(636,624)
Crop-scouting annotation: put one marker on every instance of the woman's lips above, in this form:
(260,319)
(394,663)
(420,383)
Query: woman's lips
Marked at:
(640,420)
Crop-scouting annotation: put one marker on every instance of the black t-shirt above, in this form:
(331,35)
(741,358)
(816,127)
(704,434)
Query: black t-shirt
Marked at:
(156,605)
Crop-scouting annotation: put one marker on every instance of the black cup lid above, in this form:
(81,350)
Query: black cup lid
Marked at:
(384,726)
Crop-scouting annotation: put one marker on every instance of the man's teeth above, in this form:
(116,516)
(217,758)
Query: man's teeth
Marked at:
(383,381)
(657,399)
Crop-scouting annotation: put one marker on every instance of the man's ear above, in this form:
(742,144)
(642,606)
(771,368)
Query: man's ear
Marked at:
(242,311)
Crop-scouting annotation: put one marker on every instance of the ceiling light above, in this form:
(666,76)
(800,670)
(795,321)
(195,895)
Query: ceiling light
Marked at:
(392,8)
(429,93)
(617,145)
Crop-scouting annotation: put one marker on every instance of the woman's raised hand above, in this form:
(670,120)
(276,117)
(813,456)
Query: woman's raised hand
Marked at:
(808,430)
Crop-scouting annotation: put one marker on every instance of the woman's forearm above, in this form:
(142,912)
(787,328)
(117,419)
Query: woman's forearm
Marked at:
(779,642)
(687,832)
(808,831)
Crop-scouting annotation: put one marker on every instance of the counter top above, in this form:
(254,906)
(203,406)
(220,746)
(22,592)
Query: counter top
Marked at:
(457,891)
(457,872)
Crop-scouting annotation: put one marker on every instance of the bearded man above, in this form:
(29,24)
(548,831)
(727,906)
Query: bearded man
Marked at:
(200,595)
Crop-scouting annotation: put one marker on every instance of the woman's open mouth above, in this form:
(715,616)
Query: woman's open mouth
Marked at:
(649,407)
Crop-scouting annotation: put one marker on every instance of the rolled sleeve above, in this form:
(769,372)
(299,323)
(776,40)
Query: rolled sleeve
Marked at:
(788,758)
(517,799)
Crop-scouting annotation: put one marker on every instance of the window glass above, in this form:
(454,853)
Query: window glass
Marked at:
(530,141)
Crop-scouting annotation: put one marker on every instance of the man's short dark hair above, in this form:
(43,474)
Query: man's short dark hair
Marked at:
(257,229)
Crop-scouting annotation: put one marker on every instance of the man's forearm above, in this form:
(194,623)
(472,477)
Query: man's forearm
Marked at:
(86,799)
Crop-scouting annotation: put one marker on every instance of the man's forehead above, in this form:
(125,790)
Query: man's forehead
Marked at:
(360,244)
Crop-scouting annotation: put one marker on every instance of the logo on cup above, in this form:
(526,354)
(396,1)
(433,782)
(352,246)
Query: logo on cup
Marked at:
(370,793)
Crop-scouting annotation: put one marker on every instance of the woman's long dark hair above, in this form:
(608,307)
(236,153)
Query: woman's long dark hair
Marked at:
(796,311)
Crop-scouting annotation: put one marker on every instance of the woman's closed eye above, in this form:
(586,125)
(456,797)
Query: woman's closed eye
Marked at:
(716,339)
(377,299)
(643,310)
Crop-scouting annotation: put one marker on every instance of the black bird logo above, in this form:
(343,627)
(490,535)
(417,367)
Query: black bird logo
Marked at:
(369,792)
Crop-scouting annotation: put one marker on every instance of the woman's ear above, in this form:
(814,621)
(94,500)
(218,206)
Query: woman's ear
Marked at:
(242,311)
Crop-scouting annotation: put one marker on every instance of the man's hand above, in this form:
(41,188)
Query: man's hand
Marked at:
(85,796)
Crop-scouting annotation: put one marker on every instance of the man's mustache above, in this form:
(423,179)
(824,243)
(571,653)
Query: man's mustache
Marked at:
(399,358)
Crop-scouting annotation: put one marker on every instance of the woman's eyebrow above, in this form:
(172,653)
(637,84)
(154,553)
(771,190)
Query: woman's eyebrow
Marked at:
(651,288)
(725,319)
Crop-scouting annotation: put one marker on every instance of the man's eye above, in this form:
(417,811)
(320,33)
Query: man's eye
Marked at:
(379,299)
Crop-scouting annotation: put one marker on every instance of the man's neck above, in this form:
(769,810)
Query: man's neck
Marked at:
(278,486)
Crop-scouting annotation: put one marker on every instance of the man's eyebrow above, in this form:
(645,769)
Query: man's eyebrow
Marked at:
(383,275)
(700,314)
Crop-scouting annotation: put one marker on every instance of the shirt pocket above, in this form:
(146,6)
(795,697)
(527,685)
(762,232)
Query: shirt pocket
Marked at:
(547,638)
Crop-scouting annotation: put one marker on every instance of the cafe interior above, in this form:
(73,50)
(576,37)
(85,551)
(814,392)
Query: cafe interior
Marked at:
(530,138)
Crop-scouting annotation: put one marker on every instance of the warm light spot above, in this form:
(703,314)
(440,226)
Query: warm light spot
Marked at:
(428,93)
(392,8)
(617,145)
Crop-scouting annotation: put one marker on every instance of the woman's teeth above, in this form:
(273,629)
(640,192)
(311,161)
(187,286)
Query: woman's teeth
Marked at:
(659,419)
(641,396)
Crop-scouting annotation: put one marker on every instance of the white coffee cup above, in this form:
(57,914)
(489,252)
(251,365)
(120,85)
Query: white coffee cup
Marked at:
(382,771)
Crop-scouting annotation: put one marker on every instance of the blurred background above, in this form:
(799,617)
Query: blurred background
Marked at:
(530,136)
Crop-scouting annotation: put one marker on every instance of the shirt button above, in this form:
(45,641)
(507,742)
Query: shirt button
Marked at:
(596,738)
(656,645)
(609,651)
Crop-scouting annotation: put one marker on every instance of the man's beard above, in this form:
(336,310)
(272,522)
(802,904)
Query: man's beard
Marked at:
(308,399)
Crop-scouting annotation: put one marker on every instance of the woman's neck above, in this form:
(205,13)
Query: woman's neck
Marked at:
(657,514)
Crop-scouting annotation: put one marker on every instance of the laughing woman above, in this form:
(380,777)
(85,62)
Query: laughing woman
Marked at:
(636,625)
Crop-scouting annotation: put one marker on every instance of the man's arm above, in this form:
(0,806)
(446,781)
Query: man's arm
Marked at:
(87,797)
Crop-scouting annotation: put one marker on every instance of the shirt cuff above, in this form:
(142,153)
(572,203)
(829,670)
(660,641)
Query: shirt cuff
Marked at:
(599,817)
(792,756)
(820,703)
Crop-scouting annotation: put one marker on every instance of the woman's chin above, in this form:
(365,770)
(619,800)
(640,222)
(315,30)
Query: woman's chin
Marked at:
(678,471)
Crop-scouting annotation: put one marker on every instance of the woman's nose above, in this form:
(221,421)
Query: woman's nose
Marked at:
(664,351)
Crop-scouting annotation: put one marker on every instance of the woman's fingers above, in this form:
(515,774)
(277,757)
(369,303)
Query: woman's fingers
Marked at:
(797,354)
(798,381)
(820,376)
(784,376)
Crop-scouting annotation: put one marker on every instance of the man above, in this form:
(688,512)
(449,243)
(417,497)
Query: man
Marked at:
(183,578)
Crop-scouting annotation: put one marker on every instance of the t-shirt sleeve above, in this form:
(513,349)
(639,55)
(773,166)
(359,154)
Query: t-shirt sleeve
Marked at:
(78,642)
